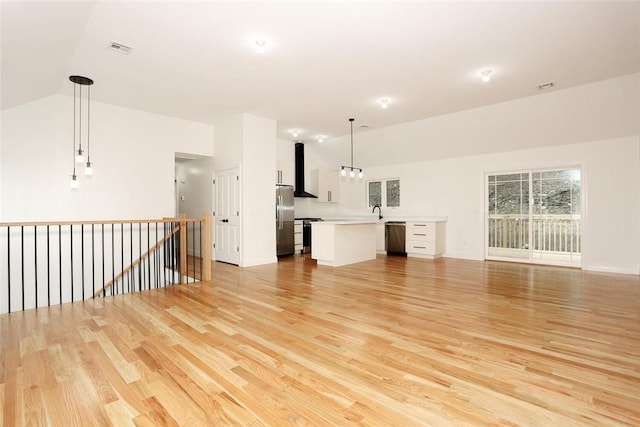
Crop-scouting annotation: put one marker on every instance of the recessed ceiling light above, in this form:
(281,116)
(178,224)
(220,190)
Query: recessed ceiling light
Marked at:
(384,103)
(547,85)
(486,75)
(364,126)
(260,46)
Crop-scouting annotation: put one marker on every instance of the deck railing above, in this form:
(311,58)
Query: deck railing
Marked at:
(49,263)
(550,233)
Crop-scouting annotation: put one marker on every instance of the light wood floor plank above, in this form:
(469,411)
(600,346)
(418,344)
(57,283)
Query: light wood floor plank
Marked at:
(392,342)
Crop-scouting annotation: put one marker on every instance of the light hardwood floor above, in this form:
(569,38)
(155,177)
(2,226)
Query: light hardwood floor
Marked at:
(393,341)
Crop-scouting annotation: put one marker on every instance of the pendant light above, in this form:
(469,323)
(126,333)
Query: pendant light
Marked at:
(78,154)
(352,169)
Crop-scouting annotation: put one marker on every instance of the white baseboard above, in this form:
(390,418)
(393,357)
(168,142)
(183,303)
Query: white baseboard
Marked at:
(462,256)
(258,261)
(615,270)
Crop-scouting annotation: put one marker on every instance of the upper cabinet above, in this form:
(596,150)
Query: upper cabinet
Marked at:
(285,172)
(325,183)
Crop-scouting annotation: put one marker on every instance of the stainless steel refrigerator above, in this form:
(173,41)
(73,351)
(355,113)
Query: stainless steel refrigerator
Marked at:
(284,220)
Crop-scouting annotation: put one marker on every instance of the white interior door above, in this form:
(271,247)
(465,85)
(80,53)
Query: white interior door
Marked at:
(227,216)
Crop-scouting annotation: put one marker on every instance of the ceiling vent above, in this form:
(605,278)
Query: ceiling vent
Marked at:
(120,48)
(544,86)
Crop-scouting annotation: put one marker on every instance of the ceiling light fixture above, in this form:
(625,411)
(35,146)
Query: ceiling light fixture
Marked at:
(384,103)
(486,75)
(352,169)
(295,132)
(260,44)
(321,138)
(78,155)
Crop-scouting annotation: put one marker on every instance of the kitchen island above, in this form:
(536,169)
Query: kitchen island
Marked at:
(337,243)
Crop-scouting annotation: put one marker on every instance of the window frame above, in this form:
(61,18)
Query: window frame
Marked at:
(383,192)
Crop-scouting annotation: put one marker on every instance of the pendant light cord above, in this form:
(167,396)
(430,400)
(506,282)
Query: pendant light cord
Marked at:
(73,158)
(80,129)
(88,123)
(351,120)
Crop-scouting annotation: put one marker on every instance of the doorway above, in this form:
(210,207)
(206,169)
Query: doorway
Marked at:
(535,216)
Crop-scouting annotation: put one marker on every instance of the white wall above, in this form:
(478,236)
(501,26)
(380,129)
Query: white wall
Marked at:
(258,191)
(228,142)
(285,150)
(596,126)
(132,152)
(1,198)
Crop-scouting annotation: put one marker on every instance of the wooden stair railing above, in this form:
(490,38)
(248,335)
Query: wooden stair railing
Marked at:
(109,284)
(56,262)
(206,253)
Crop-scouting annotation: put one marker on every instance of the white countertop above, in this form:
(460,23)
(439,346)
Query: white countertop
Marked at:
(362,220)
(420,219)
(345,222)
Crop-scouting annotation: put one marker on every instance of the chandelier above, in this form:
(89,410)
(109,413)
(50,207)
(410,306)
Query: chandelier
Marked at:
(352,169)
(78,153)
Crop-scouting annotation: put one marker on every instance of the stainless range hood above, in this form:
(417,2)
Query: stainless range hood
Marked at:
(299,190)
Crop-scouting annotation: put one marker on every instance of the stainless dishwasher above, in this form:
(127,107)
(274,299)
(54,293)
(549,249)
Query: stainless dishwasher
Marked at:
(394,238)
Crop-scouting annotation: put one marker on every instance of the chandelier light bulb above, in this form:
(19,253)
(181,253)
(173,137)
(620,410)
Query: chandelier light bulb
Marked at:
(260,44)
(80,156)
(486,75)
(384,103)
(343,172)
(88,170)
(352,174)
(360,174)
(295,133)
(74,183)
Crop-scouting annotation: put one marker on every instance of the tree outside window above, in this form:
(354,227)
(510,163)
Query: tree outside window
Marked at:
(384,193)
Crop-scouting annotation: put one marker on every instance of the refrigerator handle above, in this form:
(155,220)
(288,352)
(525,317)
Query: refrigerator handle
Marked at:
(278,210)
(281,212)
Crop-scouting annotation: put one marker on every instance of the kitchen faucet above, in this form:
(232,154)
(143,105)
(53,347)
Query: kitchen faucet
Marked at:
(379,211)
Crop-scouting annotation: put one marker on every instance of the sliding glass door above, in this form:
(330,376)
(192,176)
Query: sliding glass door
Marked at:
(509,212)
(534,216)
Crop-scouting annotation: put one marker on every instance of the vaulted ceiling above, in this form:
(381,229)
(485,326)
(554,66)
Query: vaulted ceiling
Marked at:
(324,61)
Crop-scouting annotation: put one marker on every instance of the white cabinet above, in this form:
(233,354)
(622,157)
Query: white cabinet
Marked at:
(425,239)
(297,236)
(338,243)
(325,183)
(285,172)
(380,238)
